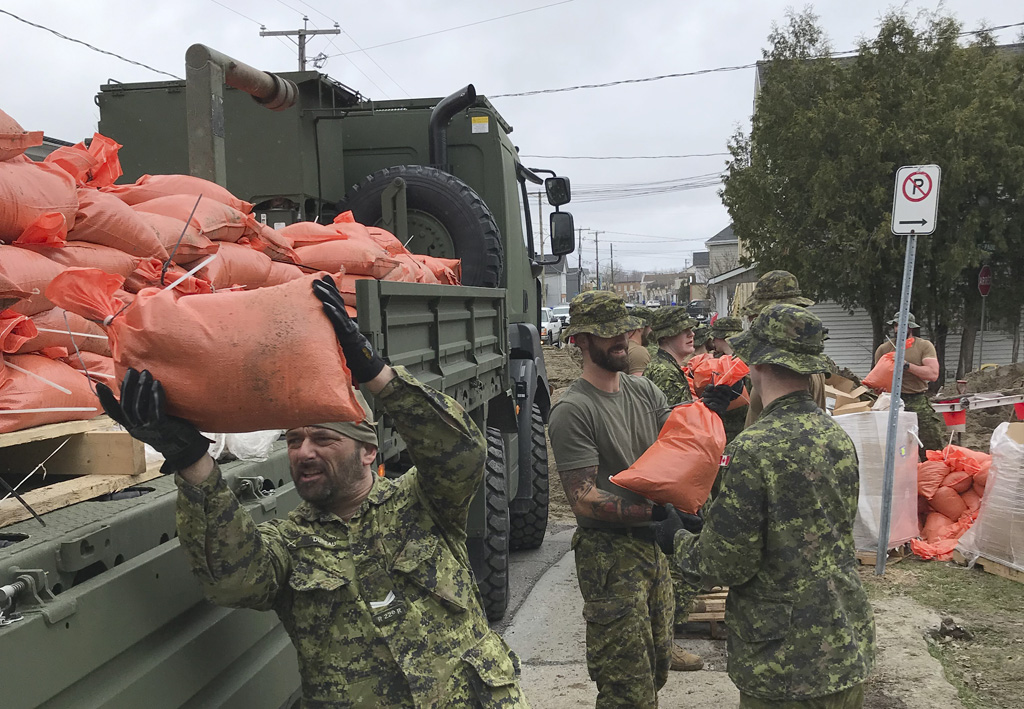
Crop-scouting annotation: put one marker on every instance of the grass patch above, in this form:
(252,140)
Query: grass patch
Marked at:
(988,671)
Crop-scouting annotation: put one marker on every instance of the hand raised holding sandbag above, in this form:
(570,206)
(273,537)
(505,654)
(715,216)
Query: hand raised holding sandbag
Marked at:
(718,397)
(142,411)
(360,357)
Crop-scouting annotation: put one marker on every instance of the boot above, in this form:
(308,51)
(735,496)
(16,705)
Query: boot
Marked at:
(684,660)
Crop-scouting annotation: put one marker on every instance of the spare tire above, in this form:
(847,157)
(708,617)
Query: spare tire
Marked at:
(446,219)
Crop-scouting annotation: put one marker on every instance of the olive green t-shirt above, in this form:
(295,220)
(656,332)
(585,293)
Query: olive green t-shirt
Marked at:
(590,427)
(917,353)
(637,358)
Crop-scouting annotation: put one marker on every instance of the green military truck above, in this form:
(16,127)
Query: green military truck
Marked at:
(98,608)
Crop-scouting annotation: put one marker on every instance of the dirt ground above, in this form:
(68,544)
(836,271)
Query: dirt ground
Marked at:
(981,652)
(1008,379)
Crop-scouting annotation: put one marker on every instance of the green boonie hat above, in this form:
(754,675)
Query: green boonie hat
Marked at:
(786,335)
(701,335)
(774,287)
(670,321)
(601,313)
(642,312)
(364,431)
(725,327)
(911,321)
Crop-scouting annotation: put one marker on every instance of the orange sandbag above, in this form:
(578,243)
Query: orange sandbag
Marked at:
(681,466)
(31,273)
(96,367)
(948,501)
(308,233)
(970,461)
(10,292)
(52,331)
(105,220)
(972,500)
(15,330)
(150,274)
(880,376)
(230,362)
(93,166)
(50,229)
(22,395)
(930,475)
(387,241)
(410,270)
(706,369)
(74,160)
(14,140)
(29,190)
(150,187)
(445,270)
(935,527)
(271,242)
(981,479)
(356,256)
(282,273)
(959,481)
(214,220)
(183,248)
(82,254)
(941,550)
(237,265)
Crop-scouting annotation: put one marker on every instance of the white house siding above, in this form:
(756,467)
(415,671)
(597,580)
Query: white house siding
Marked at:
(849,341)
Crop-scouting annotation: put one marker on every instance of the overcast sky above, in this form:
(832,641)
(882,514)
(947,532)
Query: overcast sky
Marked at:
(49,83)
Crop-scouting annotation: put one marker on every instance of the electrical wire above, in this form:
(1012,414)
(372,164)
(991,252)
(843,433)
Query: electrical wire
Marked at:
(623,157)
(86,44)
(459,27)
(231,9)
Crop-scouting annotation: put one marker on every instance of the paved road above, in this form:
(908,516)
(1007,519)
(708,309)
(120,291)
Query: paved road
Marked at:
(545,627)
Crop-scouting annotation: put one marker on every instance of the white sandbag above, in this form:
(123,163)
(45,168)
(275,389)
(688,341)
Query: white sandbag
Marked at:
(868,432)
(998,533)
(253,446)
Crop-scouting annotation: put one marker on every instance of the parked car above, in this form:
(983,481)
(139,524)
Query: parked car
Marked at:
(550,328)
(653,303)
(699,309)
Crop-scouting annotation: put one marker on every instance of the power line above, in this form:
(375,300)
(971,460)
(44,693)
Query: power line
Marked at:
(86,44)
(459,27)
(623,157)
(231,9)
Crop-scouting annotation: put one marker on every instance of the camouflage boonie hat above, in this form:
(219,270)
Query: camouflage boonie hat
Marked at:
(642,312)
(785,335)
(774,287)
(600,313)
(911,321)
(670,321)
(726,327)
(701,335)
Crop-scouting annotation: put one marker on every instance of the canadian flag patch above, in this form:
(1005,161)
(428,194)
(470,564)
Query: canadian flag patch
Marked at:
(724,461)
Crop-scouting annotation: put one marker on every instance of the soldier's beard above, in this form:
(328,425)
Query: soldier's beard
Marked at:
(322,484)
(604,359)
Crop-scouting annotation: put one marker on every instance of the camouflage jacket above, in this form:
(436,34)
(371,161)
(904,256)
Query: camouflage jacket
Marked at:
(328,579)
(668,376)
(780,535)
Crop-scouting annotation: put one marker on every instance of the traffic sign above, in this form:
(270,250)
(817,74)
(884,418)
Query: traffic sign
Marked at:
(915,203)
(984,280)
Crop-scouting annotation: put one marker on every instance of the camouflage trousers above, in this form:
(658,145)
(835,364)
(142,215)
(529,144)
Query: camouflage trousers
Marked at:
(852,698)
(627,604)
(469,695)
(682,592)
(931,430)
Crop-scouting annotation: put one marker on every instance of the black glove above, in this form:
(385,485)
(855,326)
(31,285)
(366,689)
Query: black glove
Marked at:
(718,397)
(142,412)
(668,520)
(362,361)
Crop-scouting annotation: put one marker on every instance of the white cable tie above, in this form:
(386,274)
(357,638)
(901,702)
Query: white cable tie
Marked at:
(96,374)
(44,380)
(107,320)
(192,272)
(41,465)
(75,334)
(48,410)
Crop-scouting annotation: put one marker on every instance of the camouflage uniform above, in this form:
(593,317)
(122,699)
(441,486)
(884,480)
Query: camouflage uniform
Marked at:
(431,645)
(734,420)
(780,535)
(623,574)
(663,370)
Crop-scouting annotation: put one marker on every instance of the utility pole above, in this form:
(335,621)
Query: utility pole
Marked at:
(597,257)
(611,274)
(302,34)
(579,262)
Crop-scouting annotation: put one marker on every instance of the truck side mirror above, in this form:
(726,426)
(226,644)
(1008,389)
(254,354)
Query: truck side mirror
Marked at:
(557,189)
(563,233)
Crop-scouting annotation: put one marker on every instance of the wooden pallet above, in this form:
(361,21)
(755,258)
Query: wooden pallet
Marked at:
(92,460)
(713,613)
(868,558)
(991,567)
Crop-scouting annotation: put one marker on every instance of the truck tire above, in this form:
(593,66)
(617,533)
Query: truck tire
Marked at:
(529,517)
(446,216)
(489,556)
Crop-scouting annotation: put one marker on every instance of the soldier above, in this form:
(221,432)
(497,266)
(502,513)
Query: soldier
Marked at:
(780,534)
(369,575)
(734,420)
(772,288)
(604,421)
(637,356)
(673,329)
(701,342)
(921,366)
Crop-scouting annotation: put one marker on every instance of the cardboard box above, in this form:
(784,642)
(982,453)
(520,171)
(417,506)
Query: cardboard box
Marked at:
(853,408)
(844,399)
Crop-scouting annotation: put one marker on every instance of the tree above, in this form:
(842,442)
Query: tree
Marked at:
(810,189)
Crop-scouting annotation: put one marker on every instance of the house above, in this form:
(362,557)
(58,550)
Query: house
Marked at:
(723,252)
(631,291)
(726,277)
(556,284)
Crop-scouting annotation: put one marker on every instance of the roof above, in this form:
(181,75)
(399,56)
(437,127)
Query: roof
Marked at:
(726,236)
(729,275)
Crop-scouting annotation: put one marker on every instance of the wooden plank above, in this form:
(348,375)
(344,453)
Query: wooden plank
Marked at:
(70,492)
(54,430)
(706,616)
(991,567)
(88,453)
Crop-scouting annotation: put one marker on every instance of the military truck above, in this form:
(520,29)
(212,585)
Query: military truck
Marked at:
(98,607)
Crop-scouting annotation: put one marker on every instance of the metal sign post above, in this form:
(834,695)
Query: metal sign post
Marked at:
(914,211)
(984,286)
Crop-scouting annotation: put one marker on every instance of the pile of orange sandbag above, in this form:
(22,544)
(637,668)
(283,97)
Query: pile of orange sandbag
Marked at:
(706,369)
(163,231)
(950,485)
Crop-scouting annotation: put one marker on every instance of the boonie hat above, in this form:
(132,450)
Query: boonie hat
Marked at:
(725,327)
(601,313)
(701,335)
(670,321)
(911,321)
(786,335)
(642,312)
(364,431)
(774,287)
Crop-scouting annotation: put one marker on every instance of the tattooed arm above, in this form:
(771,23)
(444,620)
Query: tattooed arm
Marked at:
(586,500)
